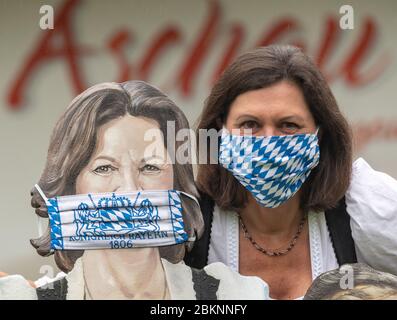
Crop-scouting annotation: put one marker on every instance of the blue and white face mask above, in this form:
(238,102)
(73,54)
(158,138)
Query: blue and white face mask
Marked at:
(272,168)
(145,218)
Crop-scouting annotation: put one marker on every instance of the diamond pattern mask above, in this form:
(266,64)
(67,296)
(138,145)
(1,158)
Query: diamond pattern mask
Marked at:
(272,168)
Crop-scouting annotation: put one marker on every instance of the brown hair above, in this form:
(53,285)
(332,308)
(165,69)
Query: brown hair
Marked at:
(262,68)
(73,142)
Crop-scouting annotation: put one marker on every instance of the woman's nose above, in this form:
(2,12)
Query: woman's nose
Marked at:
(128,183)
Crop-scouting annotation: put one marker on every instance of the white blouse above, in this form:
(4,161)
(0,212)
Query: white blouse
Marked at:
(371,202)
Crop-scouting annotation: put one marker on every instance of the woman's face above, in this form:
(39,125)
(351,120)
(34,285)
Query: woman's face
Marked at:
(273,111)
(121,161)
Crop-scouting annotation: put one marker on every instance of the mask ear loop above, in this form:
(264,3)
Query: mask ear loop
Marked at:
(191,239)
(42,195)
(190,196)
(40,219)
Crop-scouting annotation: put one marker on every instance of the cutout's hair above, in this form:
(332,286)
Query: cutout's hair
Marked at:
(327,286)
(262,68)
(74,140)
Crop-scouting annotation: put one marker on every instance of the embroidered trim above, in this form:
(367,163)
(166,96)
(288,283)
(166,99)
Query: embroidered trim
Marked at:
(315,245)
(232,240)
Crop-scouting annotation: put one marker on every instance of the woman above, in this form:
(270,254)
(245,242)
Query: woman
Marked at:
(122,214)
(284,202)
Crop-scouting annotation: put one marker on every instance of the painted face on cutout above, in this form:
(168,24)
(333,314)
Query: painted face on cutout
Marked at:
(123,161)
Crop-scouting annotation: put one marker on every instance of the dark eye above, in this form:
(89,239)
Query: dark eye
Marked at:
(104,170)
(289,127)
(149,168)
(249,124)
